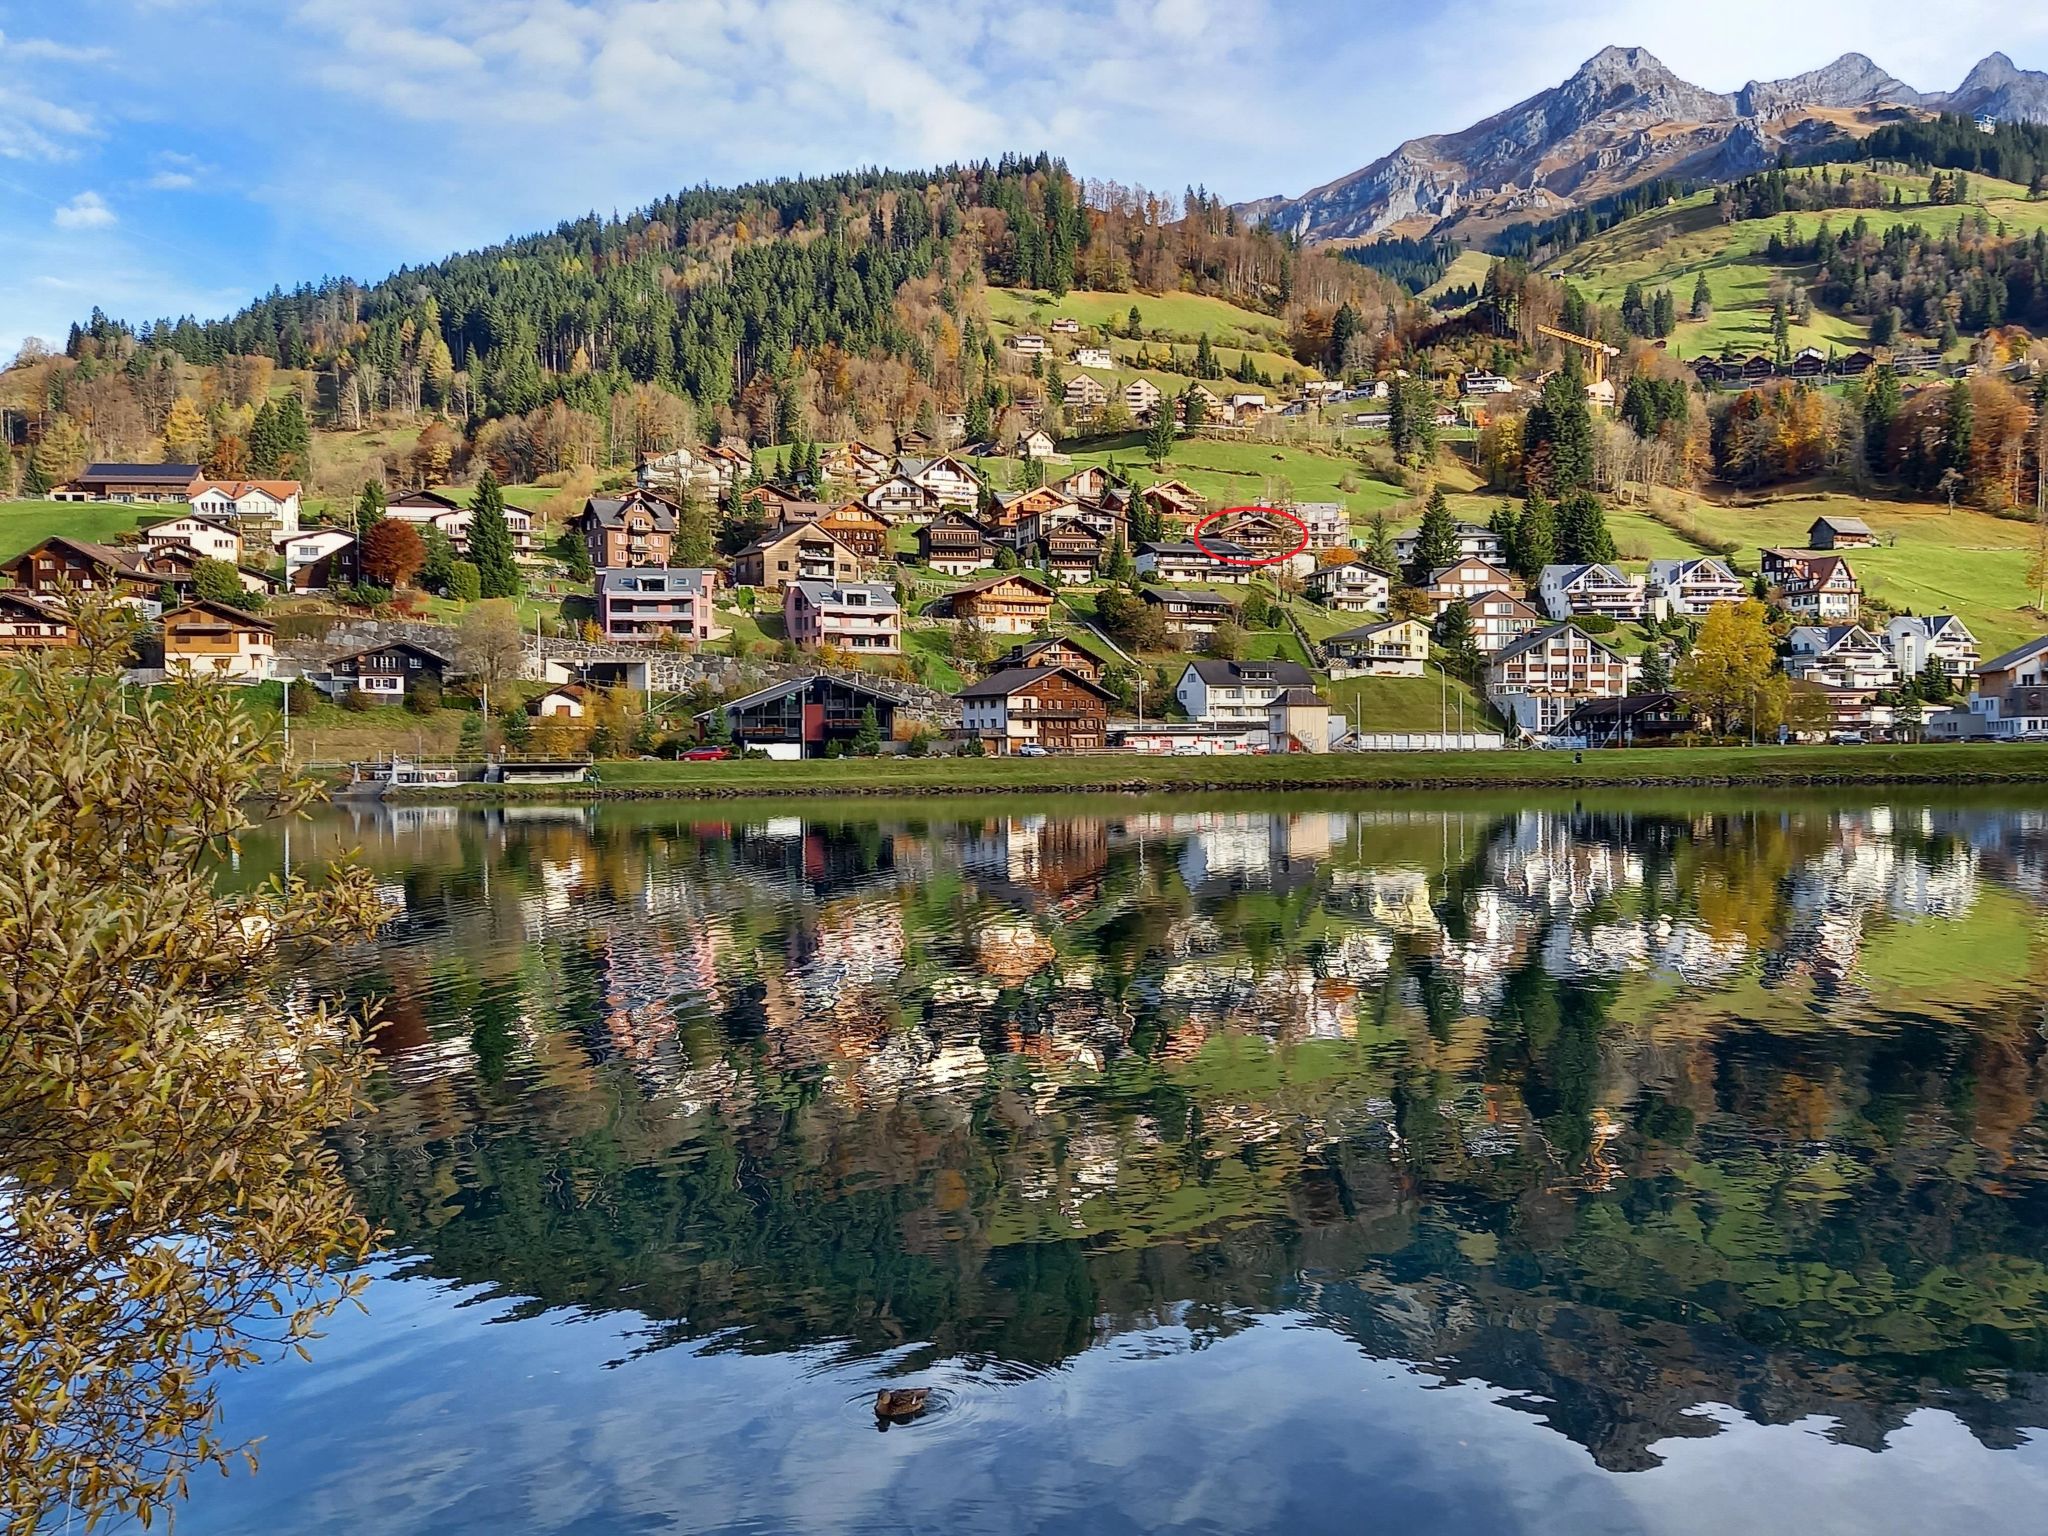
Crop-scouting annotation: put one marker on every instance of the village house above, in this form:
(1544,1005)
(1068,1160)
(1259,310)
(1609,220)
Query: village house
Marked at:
(1474,543)
(1037,444)
(1353,587)
(804,552)
(178,565)
(956,544)
(1540,678)
(658,602)
(1022,516)
(1191,616)
(566,702)
(1014,603)
(1482,383)
(1815,588)
(2011,701)
(1567,591)
(1462,582)
(1141,398)
(1265,536)
(1629,721)
(636,529)
(901,500)
(860,528)
(850,616)
(780,502)
(316,559)
(1298,720)
(709,473)
(209,538)
(1245,406)
(1045,707)
(1840,533)
(385,673)
(856,463)
(263,509)
(1498,617)
(1093,357)
(59,564)
(1028,344)
(1092,486)
(1072,552)
(1084,395)
(951,480)
(1839,656)
(432,509)
(208,639)
(1691,587)
(804,716)
(1217,692)
(1192,562)
(128,482)
(1391,648)
(1328,524)
(1174,500)
(28,624)
(1066,325)
(1057,651)
(1940,637)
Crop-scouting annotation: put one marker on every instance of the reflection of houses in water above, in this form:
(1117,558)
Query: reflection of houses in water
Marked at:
(1397,899)
(1552,862)
(1037,860)
(1360,955)
(828,857)
(849,945)
(1286,1001)
(1254,847)
(915,1059)
(1012,951)
(1833,896)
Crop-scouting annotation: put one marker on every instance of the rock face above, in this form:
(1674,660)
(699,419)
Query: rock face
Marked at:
(1622,119)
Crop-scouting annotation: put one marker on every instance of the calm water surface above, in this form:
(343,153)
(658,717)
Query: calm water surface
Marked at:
(1451,1165)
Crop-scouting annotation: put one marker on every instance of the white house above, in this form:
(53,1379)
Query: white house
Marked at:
(1328,524)
(1693,586)
(1093,357)
(1480,383)
(1840,656)
(1141,398)
(1353,587)
(2011,701)
(947,478)
(1464,581)
(210,538)
(1941,636)
(1474,541)
(1191,562)
(1541,677)
(1567,590)
(1028,344)
(1391,648)
(272,503)
(1084,394)
(312,560)
(1237,692)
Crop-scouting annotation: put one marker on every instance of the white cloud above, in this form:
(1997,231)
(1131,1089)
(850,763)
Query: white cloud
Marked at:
(175,172)
(88,210)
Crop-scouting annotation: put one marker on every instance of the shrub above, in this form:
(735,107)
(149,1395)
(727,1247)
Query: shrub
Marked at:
(1595,623)
(423,697)
(465,585)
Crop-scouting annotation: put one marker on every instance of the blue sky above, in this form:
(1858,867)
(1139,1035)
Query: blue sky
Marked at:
(165,156)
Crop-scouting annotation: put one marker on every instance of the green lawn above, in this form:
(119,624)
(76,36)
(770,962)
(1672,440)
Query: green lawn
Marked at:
(1180,316)
(25,524)
(1378,705)
(1365,770)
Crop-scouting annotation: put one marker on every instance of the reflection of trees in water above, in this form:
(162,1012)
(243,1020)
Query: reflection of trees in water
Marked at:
(958,1109)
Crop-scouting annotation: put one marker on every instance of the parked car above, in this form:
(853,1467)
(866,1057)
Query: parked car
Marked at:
(706,755)
(1032,749)
(1847,738)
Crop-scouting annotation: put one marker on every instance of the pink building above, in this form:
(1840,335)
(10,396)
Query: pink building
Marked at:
(850,616)
(649,602)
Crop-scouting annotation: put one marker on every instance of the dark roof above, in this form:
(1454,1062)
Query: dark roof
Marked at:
(1192,599)
(1020,654)
(221,610)
(788,531)
(1629,708)
(998,685)
(1216,547)
(996,581)
(1367,631)
(610,510)
(1542,636)
(1842,524)
(10,598)
(393,645)
(1300,698)
(169,474)
(1288,674)
(121,561)
(2016,656)
(427,499)
(788,686)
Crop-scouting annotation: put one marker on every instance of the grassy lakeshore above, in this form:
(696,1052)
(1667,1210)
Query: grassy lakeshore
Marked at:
(1945,764)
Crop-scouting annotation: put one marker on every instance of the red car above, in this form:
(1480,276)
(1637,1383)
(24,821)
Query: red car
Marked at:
(706,755)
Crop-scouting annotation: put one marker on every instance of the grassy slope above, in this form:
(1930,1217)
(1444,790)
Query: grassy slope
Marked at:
(1705,765)
(24,524)
(1672,246)
(1173,322)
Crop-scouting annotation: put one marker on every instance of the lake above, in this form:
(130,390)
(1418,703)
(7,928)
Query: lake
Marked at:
(1655,1163)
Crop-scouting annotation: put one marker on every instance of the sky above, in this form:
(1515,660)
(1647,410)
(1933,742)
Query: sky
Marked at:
(162,157)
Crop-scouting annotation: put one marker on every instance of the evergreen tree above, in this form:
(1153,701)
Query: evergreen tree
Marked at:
(1120,567)
(1507,527)
(1455,635)
(1159,437)
(1881,401)
(867,739)
(1135,325)
(1582,536)
(1960,429)
(696,538)
(266,447)
(1557,436)
(1436,540)
(1379,546)
(1656,670)
(1206,366)
(490,539)
(1539,537)
(1702,298)
(370,507)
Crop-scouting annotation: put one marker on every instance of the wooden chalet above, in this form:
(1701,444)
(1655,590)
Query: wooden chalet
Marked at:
(1046,707)
(1013,603)
(860,528)
(61,564)
(1059,651)
(805,552)
(803,716)
(29,624)
(956,544)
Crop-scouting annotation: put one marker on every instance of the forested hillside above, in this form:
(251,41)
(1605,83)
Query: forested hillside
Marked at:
(812,308)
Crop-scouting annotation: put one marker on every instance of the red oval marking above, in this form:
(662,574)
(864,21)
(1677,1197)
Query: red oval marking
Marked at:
(1195,536)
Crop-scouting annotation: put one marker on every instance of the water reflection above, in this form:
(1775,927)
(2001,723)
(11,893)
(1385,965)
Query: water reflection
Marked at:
(1650,1119)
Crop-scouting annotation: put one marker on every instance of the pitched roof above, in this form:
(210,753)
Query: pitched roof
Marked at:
(1367,631)
(998,685)
(1230,674)
(393,645)
(121,561)
(235,490)
(221,611)
(2016,657)
(1300,698)
(610,511)
(1544,636)
(183,474)
(194,517)
(1844,524)
(788,531)
(10,598)
(787,686)
(1189,599)
(996,581)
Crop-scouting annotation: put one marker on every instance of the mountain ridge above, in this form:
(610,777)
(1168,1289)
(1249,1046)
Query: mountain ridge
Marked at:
(1622,118)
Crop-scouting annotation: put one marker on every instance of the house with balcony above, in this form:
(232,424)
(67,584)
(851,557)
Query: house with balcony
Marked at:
(384,674)
(207,537)
(1185,562)
(1328,523)
(901,500)
(1465,580)
(1047,707)
(657,603)
(1391,648)
(855,616)
(1084,395)
(1217,692)
(708,473)
(263,509)
(1939,637)
(1014,603)
(1840,656)
(1692,587)
(1191,617)
(859,527)
(431,509)
(1353,587)
(1569,591)
(1475,542)
(1814,588)
(1141,398)
(1072,552)
(805,552)
(637,529)
(1538,680)
(2011,701)
(316,559)
(59,564)
(1174,500)
(129,482)
(1499,617)
(857,464)
(1265,536)
(951,480)
(1093,357)
(29,624)
(1058,651)
(804,716)
(208,639)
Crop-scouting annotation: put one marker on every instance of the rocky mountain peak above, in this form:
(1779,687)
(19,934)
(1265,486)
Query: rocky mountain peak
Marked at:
(1853,80)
